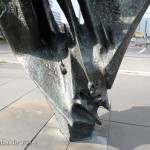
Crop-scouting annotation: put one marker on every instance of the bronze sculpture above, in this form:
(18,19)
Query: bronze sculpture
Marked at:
(73,68)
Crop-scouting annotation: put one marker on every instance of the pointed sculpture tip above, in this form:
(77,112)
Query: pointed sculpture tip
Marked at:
(107,105)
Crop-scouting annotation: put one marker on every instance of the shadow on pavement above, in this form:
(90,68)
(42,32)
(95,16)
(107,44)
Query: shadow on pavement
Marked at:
(131,130)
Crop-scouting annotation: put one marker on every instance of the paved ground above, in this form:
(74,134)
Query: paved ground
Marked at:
(28,123)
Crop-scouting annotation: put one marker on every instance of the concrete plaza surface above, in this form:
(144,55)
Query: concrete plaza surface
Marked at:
(28,123)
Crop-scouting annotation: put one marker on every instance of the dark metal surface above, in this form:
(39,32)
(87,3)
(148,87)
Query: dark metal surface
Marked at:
(74,69)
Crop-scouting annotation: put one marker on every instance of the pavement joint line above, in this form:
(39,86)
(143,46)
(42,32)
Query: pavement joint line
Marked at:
(39,132)
(18,99)
(7,82)
(1,107)
(68,145)
(132,124)
(131,72)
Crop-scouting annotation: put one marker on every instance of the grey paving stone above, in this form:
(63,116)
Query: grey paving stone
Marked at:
(131,100)
(138,115)
(51,139)
(22,124)
(12,71)
(14,90)
(35,100)
(130,89)
(96,143)
(128,137)
(24,119)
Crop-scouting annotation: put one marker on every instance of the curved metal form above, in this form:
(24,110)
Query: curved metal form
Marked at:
(73,68)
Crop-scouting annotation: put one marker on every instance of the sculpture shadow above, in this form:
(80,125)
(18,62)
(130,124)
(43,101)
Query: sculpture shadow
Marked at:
(131,124)
(130,127)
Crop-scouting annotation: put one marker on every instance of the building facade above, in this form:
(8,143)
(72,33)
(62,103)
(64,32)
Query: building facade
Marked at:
(55,11)
(144,26)
(57,16)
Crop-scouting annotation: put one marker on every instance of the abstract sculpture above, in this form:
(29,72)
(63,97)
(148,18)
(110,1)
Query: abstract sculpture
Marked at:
(73,68)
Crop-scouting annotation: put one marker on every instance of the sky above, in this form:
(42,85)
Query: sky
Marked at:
(76,8)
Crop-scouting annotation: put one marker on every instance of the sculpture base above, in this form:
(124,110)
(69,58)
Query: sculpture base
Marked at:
(81,124)
(77,132)
(80,131)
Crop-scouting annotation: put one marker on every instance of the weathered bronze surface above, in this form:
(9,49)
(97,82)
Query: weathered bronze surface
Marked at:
(74,69)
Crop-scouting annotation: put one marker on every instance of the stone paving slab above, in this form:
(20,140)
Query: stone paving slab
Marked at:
(34,100)
(51,139)
(132,103)
(19,124)
(12,71)
(133,90)
(24,119)
(128,137)
(14,90)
